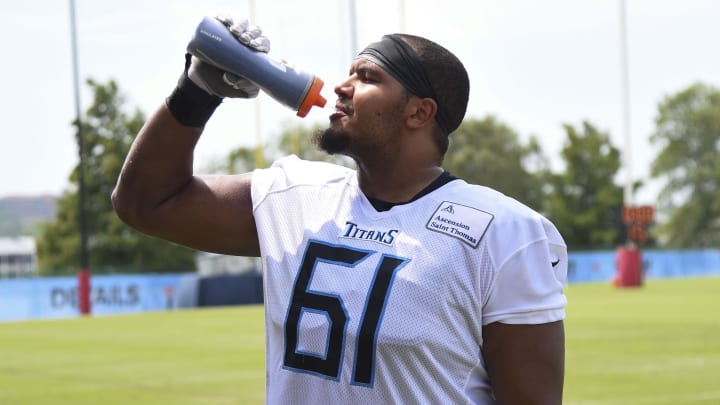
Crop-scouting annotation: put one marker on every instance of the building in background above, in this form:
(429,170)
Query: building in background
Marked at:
(18,257)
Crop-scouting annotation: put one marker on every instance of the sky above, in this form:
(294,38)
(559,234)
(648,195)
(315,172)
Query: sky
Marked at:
(534,65)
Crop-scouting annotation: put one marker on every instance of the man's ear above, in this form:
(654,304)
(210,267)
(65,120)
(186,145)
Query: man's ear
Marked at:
(422,112)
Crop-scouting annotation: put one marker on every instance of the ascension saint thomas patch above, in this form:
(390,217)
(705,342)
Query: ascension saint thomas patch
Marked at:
(460,221)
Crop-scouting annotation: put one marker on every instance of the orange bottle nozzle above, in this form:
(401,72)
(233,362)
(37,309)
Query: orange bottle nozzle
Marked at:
(313,98)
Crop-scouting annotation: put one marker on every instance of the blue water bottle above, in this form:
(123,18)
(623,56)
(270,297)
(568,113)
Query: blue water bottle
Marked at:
(215,44)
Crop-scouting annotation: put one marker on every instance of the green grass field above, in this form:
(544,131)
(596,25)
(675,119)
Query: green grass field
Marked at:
(659,344)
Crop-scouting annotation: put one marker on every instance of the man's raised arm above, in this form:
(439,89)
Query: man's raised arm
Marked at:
(157,192)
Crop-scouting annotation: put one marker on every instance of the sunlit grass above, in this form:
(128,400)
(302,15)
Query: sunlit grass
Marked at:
(213,356)
(659,344)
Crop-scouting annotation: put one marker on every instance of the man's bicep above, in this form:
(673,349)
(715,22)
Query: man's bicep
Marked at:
(525,363)
(212,213)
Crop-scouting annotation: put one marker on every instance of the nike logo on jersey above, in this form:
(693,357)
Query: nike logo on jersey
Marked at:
(353,231)
(555,263)
(460,221)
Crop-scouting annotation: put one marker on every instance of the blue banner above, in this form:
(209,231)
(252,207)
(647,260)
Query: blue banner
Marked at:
(43,298)
(22,299)
(601,265)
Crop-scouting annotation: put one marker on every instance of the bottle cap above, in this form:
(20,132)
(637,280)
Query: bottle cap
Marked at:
(312,98)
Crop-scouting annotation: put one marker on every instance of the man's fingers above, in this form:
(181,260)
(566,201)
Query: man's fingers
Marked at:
(260,44)
(239,28)
(248,34)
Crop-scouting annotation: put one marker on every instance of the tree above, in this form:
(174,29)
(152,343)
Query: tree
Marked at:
(581,200)
(239,160)
(488,152)
(108,133)
(688,133)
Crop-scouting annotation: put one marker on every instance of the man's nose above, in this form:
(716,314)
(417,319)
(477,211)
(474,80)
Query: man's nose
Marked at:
(344,88)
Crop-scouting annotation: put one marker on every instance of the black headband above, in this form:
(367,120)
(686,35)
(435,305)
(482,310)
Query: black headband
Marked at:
(396,57)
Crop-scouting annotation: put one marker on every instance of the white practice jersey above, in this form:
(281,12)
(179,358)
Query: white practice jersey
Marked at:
(368,307)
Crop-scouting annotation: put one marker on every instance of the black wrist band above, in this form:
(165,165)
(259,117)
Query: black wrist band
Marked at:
(189,104)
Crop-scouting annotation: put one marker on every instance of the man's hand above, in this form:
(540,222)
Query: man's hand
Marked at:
(250,35)
(222,84)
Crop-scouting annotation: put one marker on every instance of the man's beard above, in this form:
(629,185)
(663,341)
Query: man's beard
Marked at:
(333,141)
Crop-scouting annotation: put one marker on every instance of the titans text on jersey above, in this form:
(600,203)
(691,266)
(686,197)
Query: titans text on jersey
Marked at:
(352,230)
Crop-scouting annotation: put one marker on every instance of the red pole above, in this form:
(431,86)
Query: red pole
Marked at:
(84,292)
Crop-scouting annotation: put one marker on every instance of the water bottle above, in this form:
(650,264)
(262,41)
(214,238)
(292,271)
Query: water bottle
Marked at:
(215,44)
